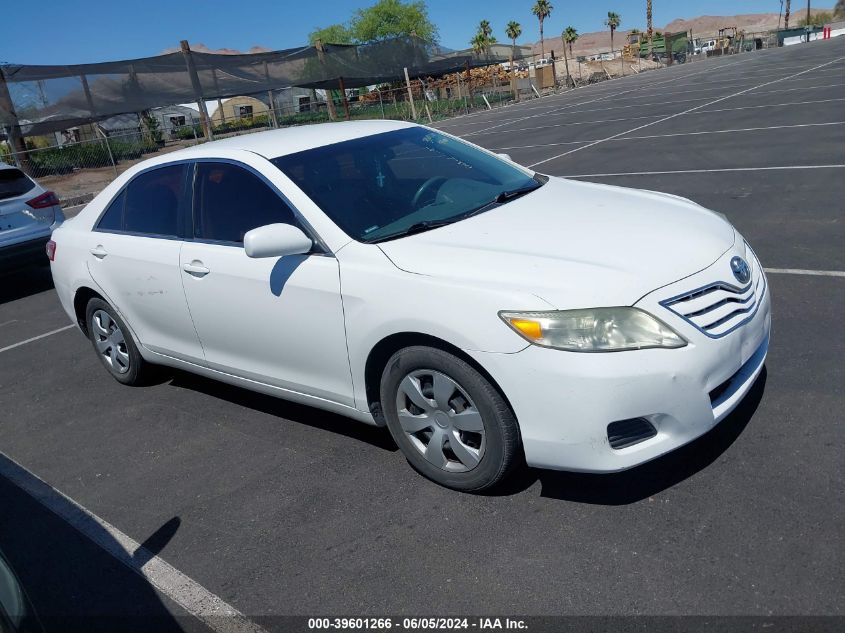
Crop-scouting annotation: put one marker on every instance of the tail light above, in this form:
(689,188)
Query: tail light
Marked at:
(46,199)
(51,250)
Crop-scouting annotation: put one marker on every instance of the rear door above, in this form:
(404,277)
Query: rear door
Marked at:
(134,257)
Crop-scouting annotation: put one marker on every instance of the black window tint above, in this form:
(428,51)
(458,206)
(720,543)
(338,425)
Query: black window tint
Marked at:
(230,200)
(13,182)
(112,219)
(152,201)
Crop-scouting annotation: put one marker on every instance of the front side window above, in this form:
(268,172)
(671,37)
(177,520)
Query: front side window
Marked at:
(230,200)
(386,185)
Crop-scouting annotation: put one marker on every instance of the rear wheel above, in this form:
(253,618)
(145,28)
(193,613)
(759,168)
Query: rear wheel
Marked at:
(451,423)
(114,344)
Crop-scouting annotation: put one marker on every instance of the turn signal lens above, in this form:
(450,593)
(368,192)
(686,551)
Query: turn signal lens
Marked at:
(529,329)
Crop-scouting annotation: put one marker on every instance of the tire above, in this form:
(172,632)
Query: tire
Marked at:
(114,345)
(453,426)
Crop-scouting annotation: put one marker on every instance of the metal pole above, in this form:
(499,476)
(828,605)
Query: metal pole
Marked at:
(270,96)
(108,147)
(217,94)
(329,100)
(410,95)
(343,96)
(808,19)
(195,83)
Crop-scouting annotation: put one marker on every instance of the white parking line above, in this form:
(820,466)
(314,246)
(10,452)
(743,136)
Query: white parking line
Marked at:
(602,97)
(768,105)
(677,114)
(703,171)
(8,322)
(184,591)
(35,338)
(638,138)
(801,271)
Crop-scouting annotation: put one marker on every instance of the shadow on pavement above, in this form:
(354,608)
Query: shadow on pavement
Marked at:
(301,414)
(72,582)
(648,479)
(24,283)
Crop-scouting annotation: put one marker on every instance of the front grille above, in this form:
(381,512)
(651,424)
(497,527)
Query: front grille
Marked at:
(624,433)
(721,307)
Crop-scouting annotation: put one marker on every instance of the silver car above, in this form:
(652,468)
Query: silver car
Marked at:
(28,215)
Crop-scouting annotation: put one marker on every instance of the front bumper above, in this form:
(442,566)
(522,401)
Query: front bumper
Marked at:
(564,401)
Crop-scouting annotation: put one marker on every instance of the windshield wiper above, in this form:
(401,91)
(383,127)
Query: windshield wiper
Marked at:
(418,227)
(427,225)
(503,197)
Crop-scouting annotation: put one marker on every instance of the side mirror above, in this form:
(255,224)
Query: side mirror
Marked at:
(276,240)
(505,156)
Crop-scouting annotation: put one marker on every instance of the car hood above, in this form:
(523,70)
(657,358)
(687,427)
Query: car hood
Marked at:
(573,244)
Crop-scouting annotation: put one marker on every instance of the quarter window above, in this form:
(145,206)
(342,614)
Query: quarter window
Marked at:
(112,219)
(152,201)
(230,200)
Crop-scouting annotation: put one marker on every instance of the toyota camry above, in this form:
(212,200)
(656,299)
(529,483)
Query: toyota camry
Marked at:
(400,276)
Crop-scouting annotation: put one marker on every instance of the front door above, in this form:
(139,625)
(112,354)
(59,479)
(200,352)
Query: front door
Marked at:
(278,321)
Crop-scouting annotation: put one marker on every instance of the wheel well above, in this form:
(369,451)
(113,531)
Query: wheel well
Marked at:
(387,347)
(80,303)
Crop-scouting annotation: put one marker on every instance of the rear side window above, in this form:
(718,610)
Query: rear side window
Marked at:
(112,219)
(230,200)
(13,183)
(153,200)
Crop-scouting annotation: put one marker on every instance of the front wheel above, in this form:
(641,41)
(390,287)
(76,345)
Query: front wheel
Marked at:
(451,423)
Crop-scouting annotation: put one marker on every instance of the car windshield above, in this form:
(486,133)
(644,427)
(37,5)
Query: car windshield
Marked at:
(392,184)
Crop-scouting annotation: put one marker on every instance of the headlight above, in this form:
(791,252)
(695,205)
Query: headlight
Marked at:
(594,329)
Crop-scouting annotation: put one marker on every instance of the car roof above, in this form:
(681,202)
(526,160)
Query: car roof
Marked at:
(290,140)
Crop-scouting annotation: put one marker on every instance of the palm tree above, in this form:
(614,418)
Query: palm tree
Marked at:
(786,16)
(513,31)
(478,43)
(650,29)
(484,28)
(542,9)
(568,36)
(612,22)
(483,38)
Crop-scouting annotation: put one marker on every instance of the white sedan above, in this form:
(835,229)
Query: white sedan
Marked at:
(403,277)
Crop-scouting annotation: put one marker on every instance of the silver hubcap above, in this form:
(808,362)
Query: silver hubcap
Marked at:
(110,341)
(440,420)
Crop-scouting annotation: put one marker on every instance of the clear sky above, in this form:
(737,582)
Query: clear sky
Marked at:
(81,31)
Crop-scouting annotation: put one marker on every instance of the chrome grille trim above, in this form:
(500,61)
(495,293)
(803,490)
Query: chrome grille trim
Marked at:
(747,299)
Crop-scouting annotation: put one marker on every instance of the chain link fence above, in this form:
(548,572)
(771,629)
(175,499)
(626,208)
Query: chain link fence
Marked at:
(79,162)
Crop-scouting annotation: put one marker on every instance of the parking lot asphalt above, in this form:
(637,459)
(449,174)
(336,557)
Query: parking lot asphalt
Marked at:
(281,509)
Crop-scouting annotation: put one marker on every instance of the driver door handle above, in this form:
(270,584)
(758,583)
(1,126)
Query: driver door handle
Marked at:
(99,252)
(196,269)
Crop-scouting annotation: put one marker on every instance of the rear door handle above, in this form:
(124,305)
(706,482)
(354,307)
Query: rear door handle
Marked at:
(99,252)
(196,269)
